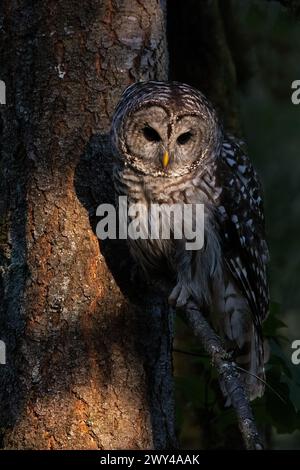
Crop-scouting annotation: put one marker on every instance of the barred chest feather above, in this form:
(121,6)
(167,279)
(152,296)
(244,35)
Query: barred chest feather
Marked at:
(154,253)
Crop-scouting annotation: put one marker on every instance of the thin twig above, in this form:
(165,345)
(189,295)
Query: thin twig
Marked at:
(229,375)
(245,371)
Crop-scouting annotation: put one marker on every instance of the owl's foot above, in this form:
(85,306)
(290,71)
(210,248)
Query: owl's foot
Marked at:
(179,296)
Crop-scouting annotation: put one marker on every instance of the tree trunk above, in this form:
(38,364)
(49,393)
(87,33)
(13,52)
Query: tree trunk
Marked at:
(85,368)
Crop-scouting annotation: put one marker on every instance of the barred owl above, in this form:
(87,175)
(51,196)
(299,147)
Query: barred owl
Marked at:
(169,147)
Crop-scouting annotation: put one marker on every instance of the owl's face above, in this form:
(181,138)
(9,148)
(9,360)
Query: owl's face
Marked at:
(164,129)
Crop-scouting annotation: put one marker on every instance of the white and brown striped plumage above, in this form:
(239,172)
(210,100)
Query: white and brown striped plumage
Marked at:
(227,277)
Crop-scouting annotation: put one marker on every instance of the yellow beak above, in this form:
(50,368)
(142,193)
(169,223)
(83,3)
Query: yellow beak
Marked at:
(165,159)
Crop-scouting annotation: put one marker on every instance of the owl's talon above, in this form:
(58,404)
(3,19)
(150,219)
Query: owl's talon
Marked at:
(179,296)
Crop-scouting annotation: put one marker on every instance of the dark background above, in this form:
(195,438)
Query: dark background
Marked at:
(264,40)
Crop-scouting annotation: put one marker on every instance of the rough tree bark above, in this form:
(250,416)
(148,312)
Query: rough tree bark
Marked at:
(85,369)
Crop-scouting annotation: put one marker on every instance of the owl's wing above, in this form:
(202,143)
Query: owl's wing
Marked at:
(240,215)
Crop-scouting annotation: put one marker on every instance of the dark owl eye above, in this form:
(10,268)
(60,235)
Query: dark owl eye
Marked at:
(150,134)
(184,138)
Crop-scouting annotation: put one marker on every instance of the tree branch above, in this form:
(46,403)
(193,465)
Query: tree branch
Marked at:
(229,375)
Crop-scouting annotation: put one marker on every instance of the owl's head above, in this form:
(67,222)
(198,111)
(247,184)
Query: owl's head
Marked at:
(164,129)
